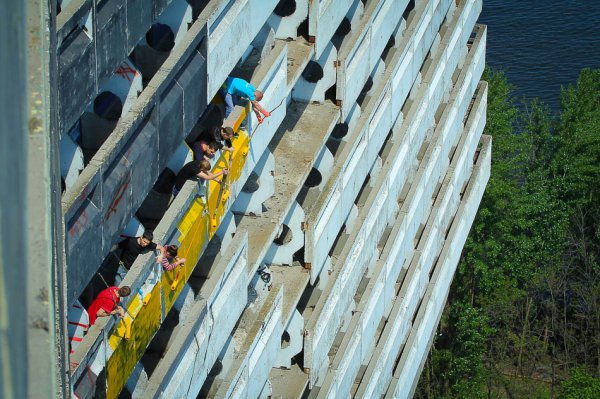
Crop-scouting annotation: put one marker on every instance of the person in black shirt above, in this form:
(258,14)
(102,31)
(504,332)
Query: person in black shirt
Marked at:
(195,168)
(220,135)
(129,250)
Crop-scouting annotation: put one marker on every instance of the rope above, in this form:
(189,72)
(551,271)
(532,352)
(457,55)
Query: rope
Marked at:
(273,110)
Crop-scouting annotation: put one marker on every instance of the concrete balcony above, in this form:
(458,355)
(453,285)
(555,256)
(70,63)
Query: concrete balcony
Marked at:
(328,211)
(413,339)
(101,202)
(398,247)
(349,265)
(191,220)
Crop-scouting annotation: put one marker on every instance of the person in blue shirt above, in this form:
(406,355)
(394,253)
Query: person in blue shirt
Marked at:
(235,90)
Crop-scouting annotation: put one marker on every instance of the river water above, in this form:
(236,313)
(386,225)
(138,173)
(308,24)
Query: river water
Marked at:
(542,44)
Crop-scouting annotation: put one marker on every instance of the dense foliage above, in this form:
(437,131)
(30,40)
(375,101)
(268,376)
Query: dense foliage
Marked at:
(523,316)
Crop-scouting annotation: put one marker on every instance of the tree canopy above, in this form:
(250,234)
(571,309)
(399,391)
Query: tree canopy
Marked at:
(523,315)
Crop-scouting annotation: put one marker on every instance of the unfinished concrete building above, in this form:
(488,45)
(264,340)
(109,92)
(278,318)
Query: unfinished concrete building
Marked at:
(319,267)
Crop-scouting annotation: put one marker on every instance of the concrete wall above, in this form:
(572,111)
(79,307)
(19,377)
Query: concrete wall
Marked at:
(13,156)
(400,134)
(330,309)
(419,341)
(358,343)
(329,211)
(88,57)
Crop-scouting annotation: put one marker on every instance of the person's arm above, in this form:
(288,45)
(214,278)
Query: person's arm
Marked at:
(161,255)
(170,266)
(212,176)
(166,265)
(118,311)
(257,108)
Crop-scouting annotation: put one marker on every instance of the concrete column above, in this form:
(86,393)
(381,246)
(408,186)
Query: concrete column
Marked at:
(258,188)
(13,78)
(43,268)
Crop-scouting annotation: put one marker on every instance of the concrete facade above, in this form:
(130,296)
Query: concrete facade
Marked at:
(325,257)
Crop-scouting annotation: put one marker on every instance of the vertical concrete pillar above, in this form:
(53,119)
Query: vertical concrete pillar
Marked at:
(282,251)
(258,188)
(13,78)
(43,270)
(291,341)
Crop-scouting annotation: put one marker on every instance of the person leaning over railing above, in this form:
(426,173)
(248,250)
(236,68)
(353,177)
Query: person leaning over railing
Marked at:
(168,258)
(106,303)
(129,249)
(235,90)
(196,168)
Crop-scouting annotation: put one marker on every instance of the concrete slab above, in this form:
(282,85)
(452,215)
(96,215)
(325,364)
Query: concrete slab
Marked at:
(296,145)
(288,384)
(300,52)
(294,280)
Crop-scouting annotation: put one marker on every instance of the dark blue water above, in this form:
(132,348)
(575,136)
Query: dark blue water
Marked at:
(542,44)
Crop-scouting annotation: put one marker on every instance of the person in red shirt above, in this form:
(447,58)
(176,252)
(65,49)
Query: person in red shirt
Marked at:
(106,303)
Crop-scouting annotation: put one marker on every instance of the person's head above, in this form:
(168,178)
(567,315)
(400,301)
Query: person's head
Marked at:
(258,95)
(227,132)
(146,238)
(213,146)
(204,165)
(209,148)
(124,291)
(172,250)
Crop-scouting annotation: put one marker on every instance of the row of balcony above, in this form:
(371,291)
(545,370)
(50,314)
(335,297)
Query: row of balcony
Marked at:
(317,168)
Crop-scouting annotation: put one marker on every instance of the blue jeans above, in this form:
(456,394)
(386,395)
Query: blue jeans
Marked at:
(230,102)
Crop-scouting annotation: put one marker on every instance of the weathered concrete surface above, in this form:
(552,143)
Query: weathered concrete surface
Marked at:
(295,146)
(362,50)
(202,334)
(419,341)
(97,52)
(356,347)
(323,20)
(252,362)
(288,384)
(43,271)
(14,101)
(231,31)
(329,311)
(327,212)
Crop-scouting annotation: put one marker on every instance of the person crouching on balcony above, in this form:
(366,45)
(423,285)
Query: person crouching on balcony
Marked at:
(220,136)
(196,168)
(106,303)
(129,249)
(235,89)
(168,257)
(204,150)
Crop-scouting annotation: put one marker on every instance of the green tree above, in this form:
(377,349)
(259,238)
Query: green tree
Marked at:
(580,385)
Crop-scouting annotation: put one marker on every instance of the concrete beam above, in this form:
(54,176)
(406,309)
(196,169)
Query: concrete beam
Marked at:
(419,341)
(205,330)
(326,213)
(362,50)
(356,346)
(323,20)
(324,324)
(252,363)
(43,361)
